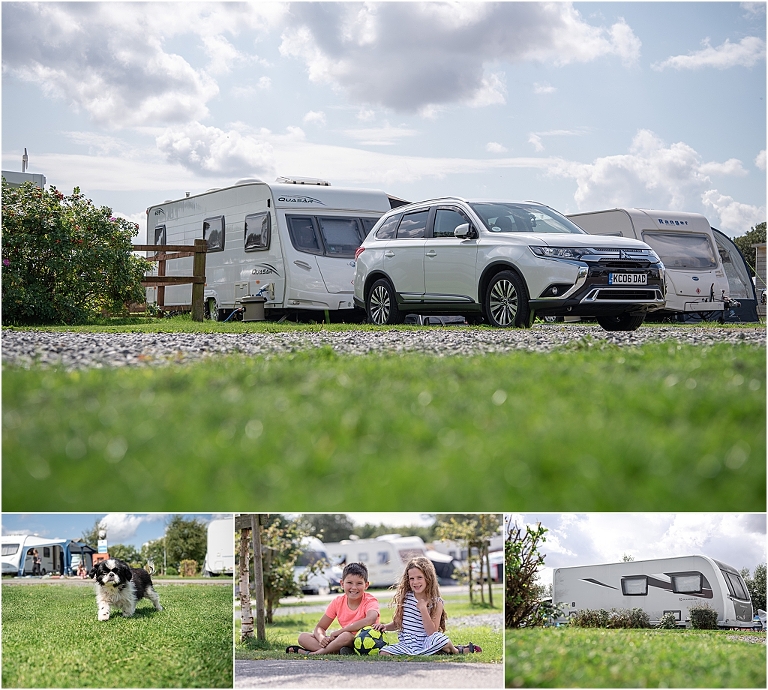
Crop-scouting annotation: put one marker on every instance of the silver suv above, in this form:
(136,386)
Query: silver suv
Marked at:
(503,262)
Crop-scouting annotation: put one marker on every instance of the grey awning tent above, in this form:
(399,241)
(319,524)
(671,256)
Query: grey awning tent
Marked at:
(740,284)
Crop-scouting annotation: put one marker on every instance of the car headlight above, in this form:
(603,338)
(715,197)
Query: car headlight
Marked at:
(562,252)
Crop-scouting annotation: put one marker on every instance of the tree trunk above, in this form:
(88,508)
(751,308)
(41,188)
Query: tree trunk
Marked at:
(258,575)
(490,579)
(246,616)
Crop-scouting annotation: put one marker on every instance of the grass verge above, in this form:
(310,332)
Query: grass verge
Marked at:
(51,639)
(565,658)
(633,428)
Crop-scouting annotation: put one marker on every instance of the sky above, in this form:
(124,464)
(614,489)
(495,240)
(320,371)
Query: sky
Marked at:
(738,540)
(581,106)
(133,529)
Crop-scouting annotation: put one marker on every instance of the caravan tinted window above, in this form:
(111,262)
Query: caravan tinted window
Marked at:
(686,584)
(341,236)
(736,586)
(213,233)
(258,231)
(634,586)
(10,549)
(303,235)
(682,250)
(160,234)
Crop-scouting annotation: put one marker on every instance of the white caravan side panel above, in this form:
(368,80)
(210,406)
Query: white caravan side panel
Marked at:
(220,554)
(657,586)
(385,567)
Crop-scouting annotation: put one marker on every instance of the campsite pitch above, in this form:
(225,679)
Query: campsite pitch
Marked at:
(52,639)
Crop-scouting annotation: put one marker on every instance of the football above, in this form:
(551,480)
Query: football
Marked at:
(368,641)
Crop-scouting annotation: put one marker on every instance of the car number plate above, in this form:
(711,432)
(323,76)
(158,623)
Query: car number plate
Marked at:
(627,279)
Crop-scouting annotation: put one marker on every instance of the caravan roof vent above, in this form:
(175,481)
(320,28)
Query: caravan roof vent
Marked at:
(303,180)
(212,189)
(248,180)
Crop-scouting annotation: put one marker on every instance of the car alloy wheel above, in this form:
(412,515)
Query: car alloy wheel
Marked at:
(382,306)
(506,301)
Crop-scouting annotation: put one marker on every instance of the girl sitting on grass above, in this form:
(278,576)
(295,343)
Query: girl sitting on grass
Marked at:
(420,615)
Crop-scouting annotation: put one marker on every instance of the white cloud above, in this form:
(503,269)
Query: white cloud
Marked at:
(746,53)
(213,151)
(760,160)
(654,175)
(314,117)
(380,136)
(121,526)
(350,47)
(495,147)
(543,89)
(535,139)
(365,115)
(110,60)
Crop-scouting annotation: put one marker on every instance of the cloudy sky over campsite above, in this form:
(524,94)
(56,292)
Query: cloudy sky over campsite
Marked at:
(581,106)
(591,538)
(132,529)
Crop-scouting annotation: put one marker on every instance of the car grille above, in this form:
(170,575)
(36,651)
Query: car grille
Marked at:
(599,294)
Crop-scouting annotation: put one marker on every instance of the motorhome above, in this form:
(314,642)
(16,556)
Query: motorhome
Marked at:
(220,553)
(291,242)
(696,279)
(662,585)
(385,556)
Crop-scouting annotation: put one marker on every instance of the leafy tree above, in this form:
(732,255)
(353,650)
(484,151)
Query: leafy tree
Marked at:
(91,536)
(522,558)
(126,552)
(154,552)
(329,526)
(756,586)
(627,558)
(185,540)
(754,236)
(64,259)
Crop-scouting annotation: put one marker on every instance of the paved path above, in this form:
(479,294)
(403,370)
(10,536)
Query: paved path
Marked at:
(338,673)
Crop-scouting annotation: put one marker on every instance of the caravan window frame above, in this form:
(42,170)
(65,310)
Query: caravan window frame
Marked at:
(687,259)
(678,590)
(729,577)
(265,234)
(634,578)
(7,547)
(164,235)
(209,222)
(315,222)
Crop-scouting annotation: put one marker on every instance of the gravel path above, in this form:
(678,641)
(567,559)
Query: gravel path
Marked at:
(82,350)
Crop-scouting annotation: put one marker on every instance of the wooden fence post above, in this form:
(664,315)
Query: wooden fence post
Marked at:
(258,576)
(198,288)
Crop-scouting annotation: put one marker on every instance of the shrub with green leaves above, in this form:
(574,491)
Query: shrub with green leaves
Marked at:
(64,259)
(668,621)
(615,618)
(703,617)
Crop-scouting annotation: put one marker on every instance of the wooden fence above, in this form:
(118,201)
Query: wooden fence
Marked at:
(178,251)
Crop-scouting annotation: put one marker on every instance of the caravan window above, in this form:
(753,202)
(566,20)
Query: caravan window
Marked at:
(213,233)
(382,557)
(303,235)
(10,549)
(342,236)
(368,224)
(308,558)
(686,584)
(635,586)
(258,231)
(160,234)
(682,250)
(736,586)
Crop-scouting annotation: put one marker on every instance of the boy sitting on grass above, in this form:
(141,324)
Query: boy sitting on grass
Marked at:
(355,609)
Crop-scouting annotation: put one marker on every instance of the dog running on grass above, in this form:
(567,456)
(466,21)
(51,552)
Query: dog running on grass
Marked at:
(121,587)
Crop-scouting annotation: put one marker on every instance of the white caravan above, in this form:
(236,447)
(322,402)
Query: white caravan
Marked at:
(385,557)
(696,280)
(220,554)
(327,579)
(17,554)
(292,242)
(658,586)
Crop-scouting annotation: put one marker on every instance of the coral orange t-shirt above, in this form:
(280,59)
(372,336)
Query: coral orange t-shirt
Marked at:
(338,609)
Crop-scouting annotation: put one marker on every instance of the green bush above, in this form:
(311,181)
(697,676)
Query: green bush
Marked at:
(64,259)
(615,618)
(703,617)
(170,570)
(668,621)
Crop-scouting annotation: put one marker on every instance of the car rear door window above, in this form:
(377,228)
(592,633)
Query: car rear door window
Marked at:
(413,225)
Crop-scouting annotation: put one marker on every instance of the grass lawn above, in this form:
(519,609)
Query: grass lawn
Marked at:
(564,657)
(586,428)
(51,639)
(285,631)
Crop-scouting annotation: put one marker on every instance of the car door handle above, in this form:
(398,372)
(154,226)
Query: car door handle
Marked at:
(431,253)
(389,253)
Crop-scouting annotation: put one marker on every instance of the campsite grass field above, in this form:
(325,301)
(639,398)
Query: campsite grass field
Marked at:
(589,658)
(52,639)
(285,631)
(588,427)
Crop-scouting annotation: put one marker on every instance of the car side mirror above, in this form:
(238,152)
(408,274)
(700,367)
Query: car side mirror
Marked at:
(464,231)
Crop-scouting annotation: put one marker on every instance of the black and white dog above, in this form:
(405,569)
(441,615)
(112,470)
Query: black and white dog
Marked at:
(120,586)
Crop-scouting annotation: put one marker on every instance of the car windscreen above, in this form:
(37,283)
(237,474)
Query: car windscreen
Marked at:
(510,217)
(682,250)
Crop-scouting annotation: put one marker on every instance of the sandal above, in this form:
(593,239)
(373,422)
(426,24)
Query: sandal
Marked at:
(295,649)
(469,648)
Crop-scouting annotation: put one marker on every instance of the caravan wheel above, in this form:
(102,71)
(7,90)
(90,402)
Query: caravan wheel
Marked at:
(212,310)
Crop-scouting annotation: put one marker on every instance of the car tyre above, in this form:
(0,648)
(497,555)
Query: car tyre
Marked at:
(622,322)
(506,301)
(381,304)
